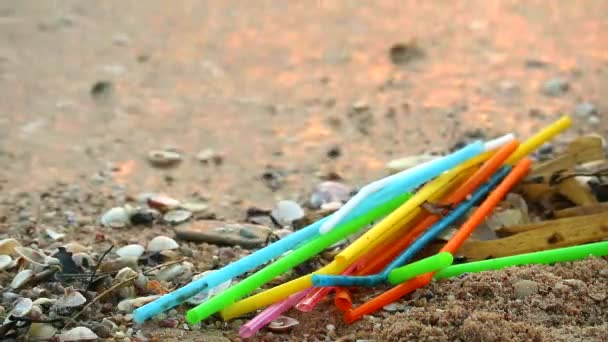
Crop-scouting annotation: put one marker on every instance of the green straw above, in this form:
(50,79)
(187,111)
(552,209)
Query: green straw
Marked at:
(597,249)
(296,257)
(434,263)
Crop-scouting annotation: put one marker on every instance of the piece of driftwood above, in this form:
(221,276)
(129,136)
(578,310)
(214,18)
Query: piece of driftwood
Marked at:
(540,236)
(582,210)
(582,150)
(576,192)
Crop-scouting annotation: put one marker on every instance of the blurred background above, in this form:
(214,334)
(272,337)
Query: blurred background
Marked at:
(262,100)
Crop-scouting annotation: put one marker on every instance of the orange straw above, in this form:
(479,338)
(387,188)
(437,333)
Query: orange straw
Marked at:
(342,299)
(392,295)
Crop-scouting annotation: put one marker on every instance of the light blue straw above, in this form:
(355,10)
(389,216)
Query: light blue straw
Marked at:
(421,242)
(397,187)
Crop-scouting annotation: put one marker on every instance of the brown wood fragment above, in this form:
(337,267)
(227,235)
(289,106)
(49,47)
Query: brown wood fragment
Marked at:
(582,150)
(576,192)
(582,210)
(541,236)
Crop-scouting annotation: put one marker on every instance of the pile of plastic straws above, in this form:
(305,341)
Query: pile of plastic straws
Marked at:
(478,176)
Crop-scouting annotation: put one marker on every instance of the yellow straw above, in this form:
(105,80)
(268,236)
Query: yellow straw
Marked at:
(539,138)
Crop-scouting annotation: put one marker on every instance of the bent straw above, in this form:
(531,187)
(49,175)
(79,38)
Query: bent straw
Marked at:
(427,237)
(394,249)
(597,249)
(410,179)
(437,262)
(382,198)
(342,299)
(269,314)
(437,186)
(516,174)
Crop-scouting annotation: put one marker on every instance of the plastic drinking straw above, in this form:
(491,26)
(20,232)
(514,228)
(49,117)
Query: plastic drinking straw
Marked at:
(342,299)
(438,185)
(269,314)
(421,242)
(390,296)
(433,263)
(540,138)
(315,295)
(413,177)
(380,199)
(597,249)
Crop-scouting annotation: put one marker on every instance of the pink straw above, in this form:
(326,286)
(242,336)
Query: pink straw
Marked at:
(270,314)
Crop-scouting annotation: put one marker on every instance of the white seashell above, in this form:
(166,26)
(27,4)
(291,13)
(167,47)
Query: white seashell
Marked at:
(78,334)
(6,262)
(124,274)
(131,304)
(71,299)
(134,250)
(21,278)
(177,216)
(161,243)
(54,235)
(22,307)
(170,273)
(33,256)
(7,246)
(44,301)
(41,332)
(204,295)
(83,259)
(117,217)
(282,323)
(194,207)
(75,247)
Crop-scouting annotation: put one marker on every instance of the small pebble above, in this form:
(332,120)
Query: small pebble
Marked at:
(285,212)
(555,87)
(164,158)
(585,109)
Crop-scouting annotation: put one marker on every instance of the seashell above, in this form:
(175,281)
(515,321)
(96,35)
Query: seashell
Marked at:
(329,192)
(115,265)
(170,254)
(204,295)
(177,216)
(117,217)
(194,207)
(22,307)
(78,334)
(54,235)
(282,324)
(162,202)
(6,262)
(285,212)
(71,299)
(171,272)
(31,255)
(133,250)
(7,246)
(83,259)
(124,274)
(128,305)
(164,158)
(44,301)
(75,247)
(21,279)
(41,332)
(161,243)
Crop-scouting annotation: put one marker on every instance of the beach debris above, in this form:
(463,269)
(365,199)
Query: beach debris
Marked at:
(282,324)
(177,216)
(329,192)
(208,156)
(117,217)
(555,87)
(204,295)
(161,243)
(70,300)
(405,163)
(41,332)
(6,262)
(133,250)
(285,212)
(128,305)
(21,279)
(164,158)
(78,334)
(7,246)
(404,53)
(224,233)
(162,202)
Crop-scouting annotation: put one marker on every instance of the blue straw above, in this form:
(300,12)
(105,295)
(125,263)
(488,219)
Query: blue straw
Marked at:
(426,238)
(397,187)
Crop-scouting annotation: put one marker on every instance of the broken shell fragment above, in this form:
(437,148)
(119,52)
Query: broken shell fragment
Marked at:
(161,243)
(162,202)
(21,279)
(133,250)
(83,260)
(71,299)
(282,324)
(22,307)
(128,305)
(177,216)
(33,256)
(171,272)
(6,262)
(78,334)
(7,246)
(41,332)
